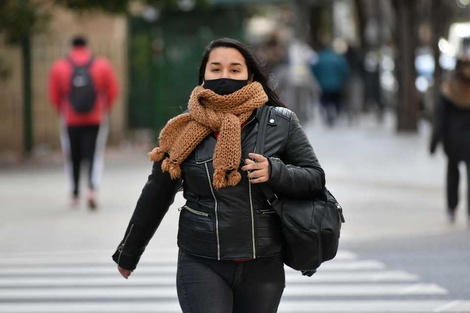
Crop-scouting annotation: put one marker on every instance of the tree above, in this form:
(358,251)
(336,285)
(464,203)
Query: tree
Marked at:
(20,18)
(406,43)
(440,21)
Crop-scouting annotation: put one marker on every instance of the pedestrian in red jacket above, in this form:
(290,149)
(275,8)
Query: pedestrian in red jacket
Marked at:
(82,88)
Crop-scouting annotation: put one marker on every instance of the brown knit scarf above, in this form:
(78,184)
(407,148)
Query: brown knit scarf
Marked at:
(210,112)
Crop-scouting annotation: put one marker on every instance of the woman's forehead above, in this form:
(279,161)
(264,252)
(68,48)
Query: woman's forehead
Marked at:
(226,55)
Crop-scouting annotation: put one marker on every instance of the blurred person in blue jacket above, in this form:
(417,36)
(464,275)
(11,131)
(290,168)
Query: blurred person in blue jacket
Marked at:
(332,72)
(452,127)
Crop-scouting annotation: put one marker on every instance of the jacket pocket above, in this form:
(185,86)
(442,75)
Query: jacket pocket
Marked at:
(267,211)
(194,211)
(196,232)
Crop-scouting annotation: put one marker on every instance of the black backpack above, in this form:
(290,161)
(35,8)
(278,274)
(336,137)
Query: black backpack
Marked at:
(310,227)
(82,89)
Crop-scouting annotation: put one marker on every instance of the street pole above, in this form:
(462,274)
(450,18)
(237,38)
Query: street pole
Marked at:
(27,109)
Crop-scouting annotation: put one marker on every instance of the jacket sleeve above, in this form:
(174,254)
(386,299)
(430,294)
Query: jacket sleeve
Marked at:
(156,197)
(55,93)
(297,172)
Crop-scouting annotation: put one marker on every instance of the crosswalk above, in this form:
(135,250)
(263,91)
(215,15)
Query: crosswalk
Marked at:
(87,281)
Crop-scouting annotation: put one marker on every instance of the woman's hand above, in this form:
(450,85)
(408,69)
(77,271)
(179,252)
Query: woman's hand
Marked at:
(257,167)
(125,273)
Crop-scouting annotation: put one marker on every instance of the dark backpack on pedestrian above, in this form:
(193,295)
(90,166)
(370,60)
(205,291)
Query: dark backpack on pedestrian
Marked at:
(82,88)
(310,227)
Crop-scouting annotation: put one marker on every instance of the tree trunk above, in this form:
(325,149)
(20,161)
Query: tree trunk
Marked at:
(362,17)
(440,22)
(28,136)
(406,39)
(320,25)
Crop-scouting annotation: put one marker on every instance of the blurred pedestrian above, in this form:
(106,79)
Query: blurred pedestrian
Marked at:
(297,84)
(452,127)
(332,72)
(354,89)
(374,96)
(82,88)
(229,237)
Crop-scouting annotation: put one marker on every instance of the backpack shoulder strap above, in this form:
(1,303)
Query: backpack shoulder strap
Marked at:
(264,117)
(71,62)
(90,61)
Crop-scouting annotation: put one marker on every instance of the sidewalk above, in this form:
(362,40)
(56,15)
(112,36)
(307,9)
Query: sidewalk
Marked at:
(387,184)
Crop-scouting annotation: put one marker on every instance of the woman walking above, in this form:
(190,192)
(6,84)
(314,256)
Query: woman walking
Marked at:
(229,238)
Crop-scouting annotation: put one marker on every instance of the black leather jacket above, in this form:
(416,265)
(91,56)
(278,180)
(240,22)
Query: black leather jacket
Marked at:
(234,222)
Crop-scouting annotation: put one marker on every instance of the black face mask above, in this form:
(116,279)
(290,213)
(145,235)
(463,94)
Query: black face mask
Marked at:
(224,86)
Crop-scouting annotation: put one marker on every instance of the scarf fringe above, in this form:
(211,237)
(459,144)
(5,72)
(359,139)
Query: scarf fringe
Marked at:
(157,154)
(171,167)
(221,179)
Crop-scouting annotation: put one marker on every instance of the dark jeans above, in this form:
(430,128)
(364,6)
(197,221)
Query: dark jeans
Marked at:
(453,177)
(82,147)
(331,102)
(211,286)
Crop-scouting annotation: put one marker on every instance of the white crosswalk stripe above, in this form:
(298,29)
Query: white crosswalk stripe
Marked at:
(88,281)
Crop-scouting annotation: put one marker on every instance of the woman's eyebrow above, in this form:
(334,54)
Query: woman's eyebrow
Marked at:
(233,63)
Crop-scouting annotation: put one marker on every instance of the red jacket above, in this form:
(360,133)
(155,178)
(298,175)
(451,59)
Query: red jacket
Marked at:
(104,81)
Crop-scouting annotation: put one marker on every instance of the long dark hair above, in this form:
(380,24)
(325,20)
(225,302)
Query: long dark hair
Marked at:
(255,69)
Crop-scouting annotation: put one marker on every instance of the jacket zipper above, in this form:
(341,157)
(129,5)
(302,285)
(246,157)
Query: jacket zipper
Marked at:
(194,211)
(252,216)
(121,248)
(252,221)
(216,206)
(252,209)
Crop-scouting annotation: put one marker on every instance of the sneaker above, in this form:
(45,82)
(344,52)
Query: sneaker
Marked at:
(92,205)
